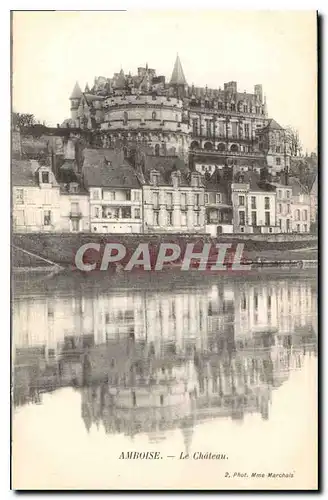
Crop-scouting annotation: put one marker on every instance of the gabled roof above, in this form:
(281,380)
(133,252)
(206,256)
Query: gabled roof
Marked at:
(77,92)
(314,187)
(297,187)
(178,77)
(106,168)
(273,125)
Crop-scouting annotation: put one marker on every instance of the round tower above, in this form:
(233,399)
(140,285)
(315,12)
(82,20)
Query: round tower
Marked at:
(75,100)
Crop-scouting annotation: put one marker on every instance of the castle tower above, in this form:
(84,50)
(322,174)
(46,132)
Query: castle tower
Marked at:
(75,100)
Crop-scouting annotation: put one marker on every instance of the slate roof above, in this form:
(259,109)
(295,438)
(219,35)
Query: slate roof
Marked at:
(254,181)
(297,187)
(77,92)
(165,165)
(273,125)
(106,168)
(178,77)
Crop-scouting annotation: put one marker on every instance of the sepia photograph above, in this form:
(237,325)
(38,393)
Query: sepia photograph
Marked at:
(164,250)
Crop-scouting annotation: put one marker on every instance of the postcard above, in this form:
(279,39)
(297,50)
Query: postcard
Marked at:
(164,182)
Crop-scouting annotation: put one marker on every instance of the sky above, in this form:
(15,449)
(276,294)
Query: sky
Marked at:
(53,50)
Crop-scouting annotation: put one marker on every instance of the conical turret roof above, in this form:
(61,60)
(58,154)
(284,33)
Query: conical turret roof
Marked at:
(77,92)
(178,77)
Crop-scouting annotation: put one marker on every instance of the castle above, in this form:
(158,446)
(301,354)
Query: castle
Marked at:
(211,128)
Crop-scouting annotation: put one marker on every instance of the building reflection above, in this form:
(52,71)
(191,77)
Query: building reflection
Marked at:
(146,361)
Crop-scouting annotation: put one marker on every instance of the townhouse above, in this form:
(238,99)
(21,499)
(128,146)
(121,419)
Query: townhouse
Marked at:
(218,204)
(173,197)
(115,192)
(254,204)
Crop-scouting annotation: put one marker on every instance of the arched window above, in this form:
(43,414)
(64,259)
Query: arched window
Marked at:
(221,147)
(125,118)
(157,148)
(208,146)
(233,106)
(153,116)
(234,148)
(194,145)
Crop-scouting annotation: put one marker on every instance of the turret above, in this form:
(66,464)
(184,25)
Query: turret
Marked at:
(178,80)
(75,100)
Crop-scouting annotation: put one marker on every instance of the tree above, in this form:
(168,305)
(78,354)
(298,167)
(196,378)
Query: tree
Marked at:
(20,120)
(292,142)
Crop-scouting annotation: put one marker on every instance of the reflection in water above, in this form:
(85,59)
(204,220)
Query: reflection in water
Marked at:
(150,361)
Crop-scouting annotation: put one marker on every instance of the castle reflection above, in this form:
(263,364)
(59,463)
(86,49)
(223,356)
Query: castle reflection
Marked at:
(149,361)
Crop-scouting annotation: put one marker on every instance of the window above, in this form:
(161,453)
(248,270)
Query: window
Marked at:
(280,223)
(233,106)
(288,193)
(241,229)
(279,193)
(155,198)
(220,105)
(234,129)
(95,194)
(195,127)
(241,200)
(74,208)
(288,208)
(287,225)
(169,218)
(254,223)
(278,161)
(19,199)
(266,203)
(153,116)
(183,199)
(156,219)
(136,195)
(137,213)
(218,197)
(125,118)
(157,150)
(183,218)
(19,218)
(45,177)
(196,218)
(305,227)
(169,199)
(304,214)
(267,218)
(154,178)
(279,208)
(278,149)
(96,212)
(105,229)
(253,201)
(256,301)
(47,218)
(206,198)
(75,225)
(247,130)
(245,108)
(128,195)
(196,198)
(298,214)
(241,218)
(298,228)
(208,128)
(126,212)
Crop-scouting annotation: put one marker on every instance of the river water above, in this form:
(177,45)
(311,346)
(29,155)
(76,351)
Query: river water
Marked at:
(219,366)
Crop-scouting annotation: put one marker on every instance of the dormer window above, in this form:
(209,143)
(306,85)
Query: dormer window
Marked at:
(45,177)
(73,187)
(154,178)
